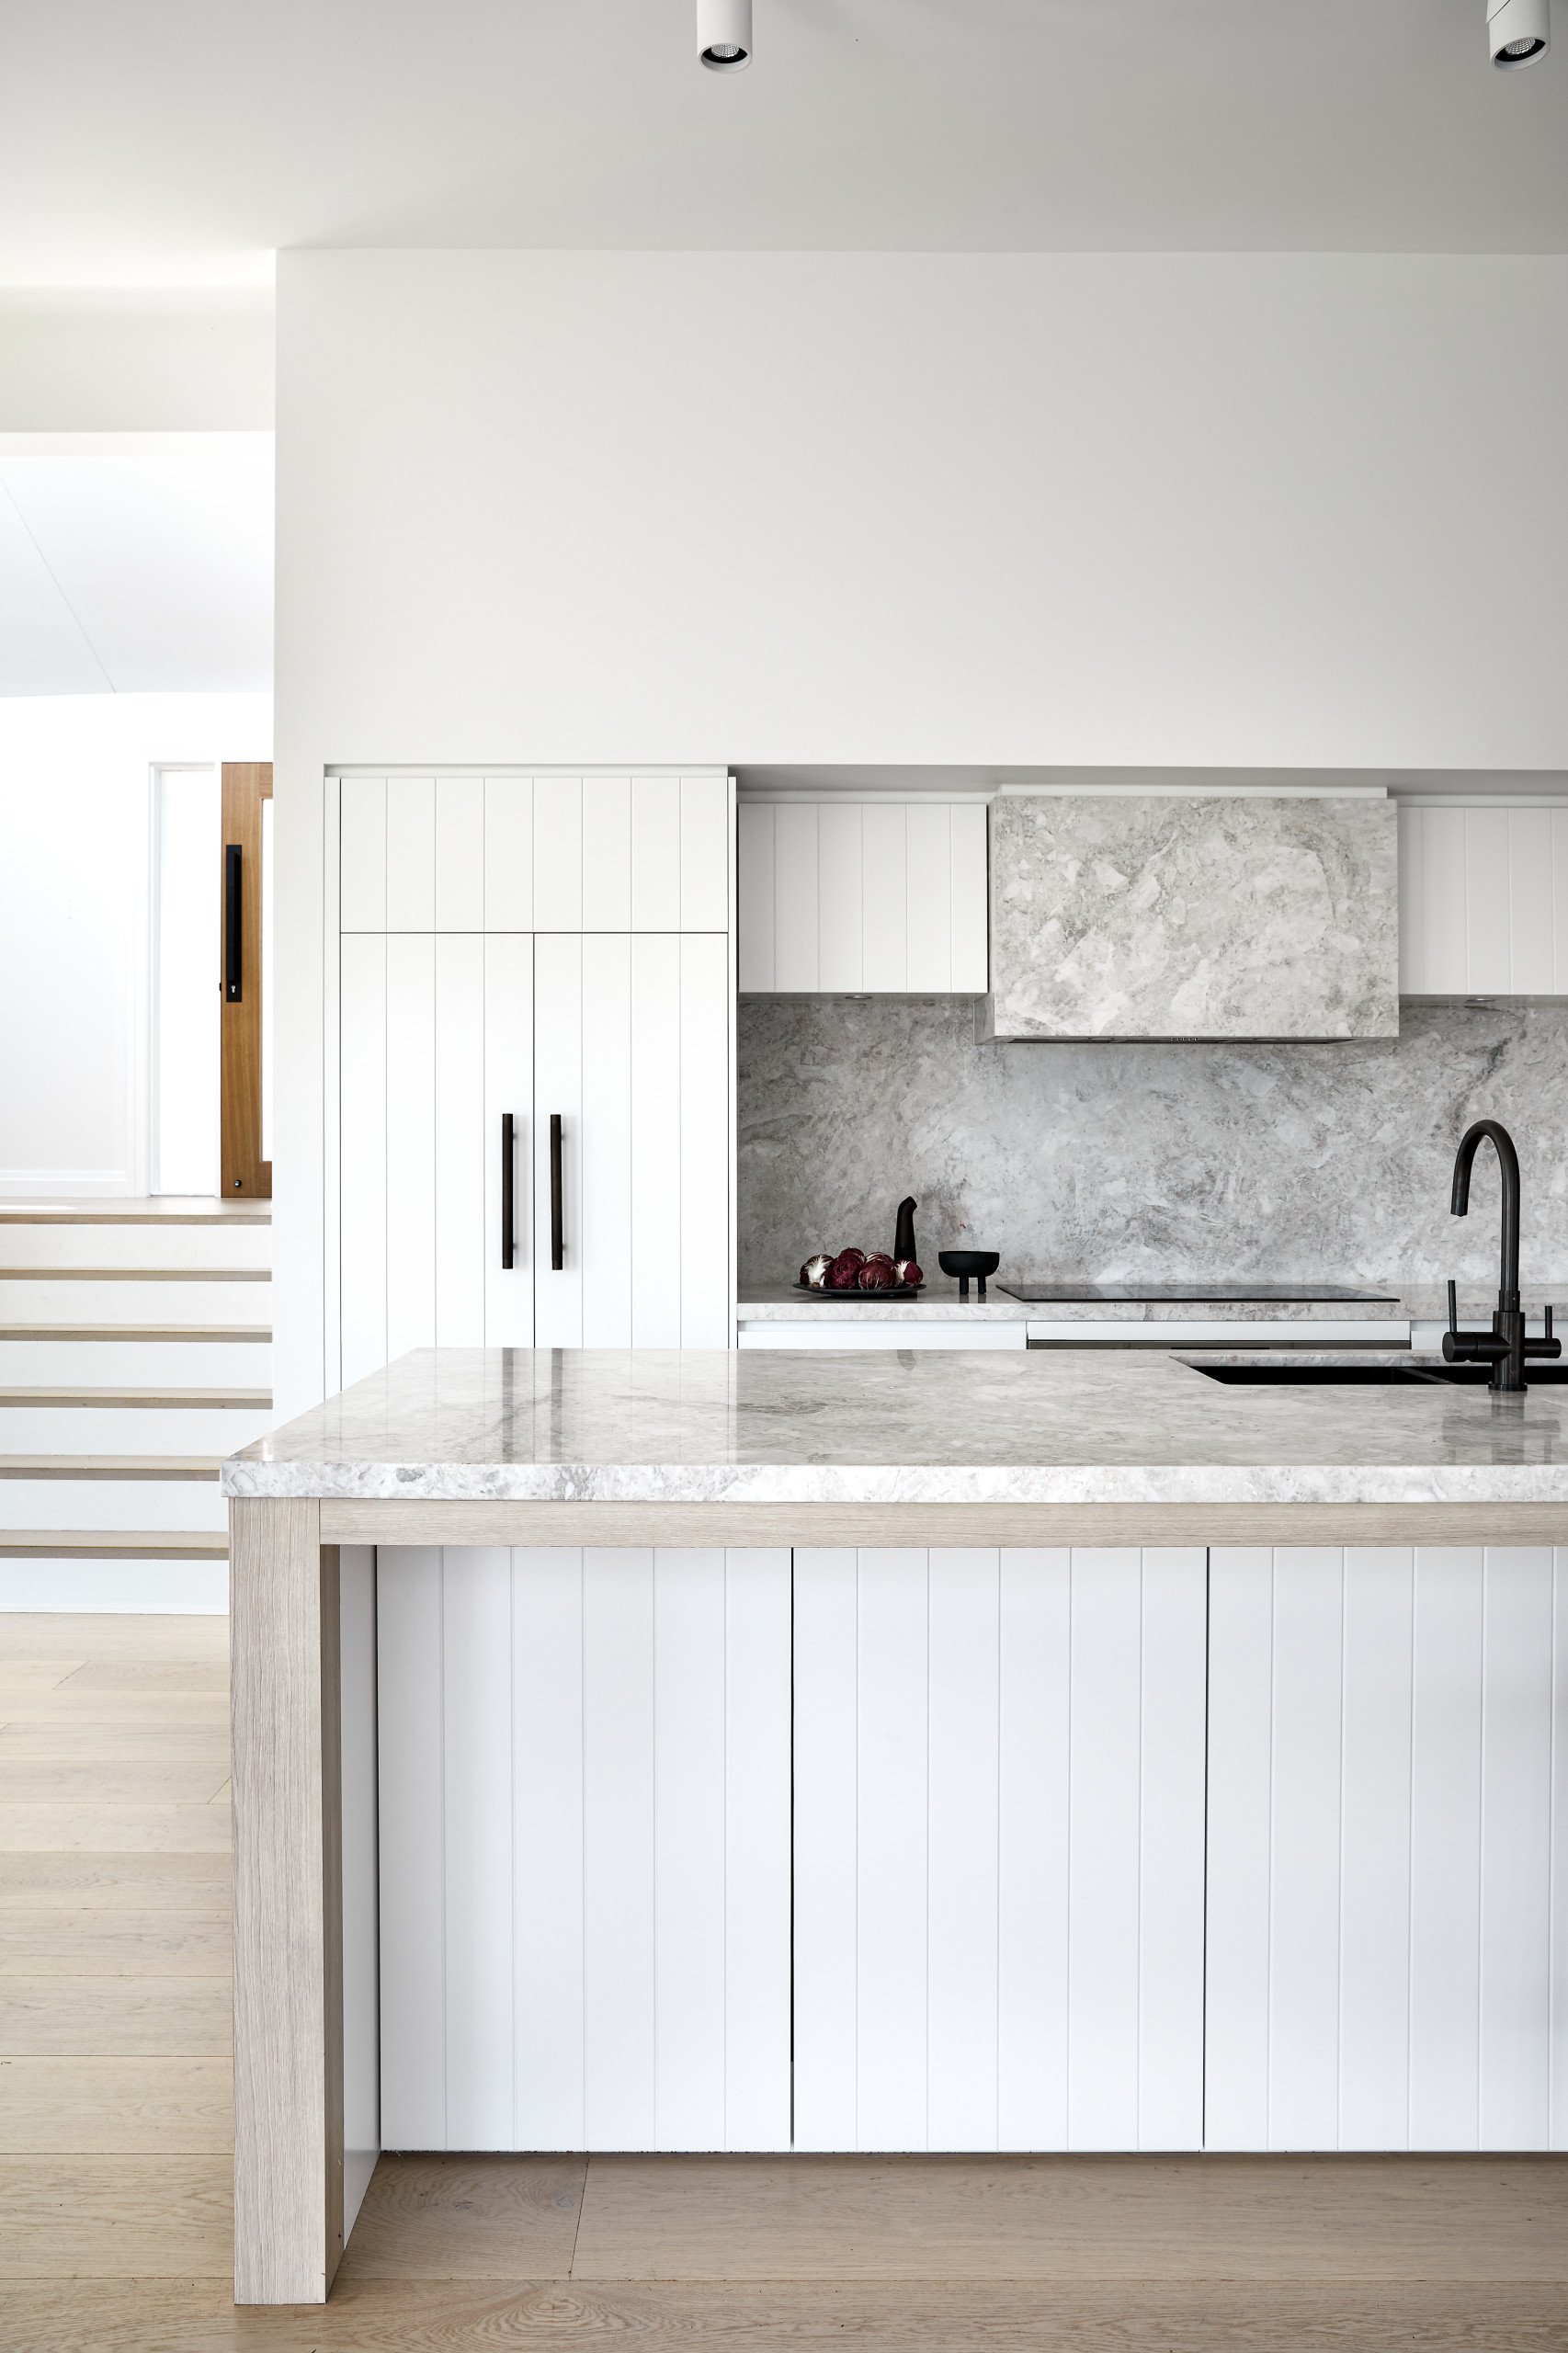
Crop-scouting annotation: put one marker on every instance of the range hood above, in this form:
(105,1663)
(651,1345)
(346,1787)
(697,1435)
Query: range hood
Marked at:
(1191,916)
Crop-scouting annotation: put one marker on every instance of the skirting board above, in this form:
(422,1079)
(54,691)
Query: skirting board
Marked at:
(940,1524)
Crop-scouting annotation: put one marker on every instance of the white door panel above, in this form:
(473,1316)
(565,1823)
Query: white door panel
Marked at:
(509,1087)
(999,1775)
(584,1827)
(557,1093)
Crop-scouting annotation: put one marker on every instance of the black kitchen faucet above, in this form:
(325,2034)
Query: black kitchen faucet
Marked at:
(1506,1347)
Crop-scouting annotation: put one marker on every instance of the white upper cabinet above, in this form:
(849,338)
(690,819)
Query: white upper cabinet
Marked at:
(1482,900)
(862,898)
(536,853)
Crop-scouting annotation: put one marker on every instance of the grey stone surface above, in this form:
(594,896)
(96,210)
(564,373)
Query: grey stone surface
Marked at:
(1161,1163)
(797,1425)
(1161,916)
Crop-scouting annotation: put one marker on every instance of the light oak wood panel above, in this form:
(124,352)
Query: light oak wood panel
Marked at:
(105,2106)
(80,2217)
(467,2218)
(118,1882)
(246,784)
(59,1781)
(169,1945)
(1062,2218)
(895,1525)
(1000,2317)
(109,1544)
(108,1828)
(124,2017)
(287,1905)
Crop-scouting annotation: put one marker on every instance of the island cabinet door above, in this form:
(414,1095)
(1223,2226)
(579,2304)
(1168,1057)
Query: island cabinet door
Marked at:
(998,1927)
(584,1850)
(1388,1849)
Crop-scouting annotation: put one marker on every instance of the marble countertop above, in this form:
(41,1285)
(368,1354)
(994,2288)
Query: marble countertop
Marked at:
(939,1303)
(911,1426)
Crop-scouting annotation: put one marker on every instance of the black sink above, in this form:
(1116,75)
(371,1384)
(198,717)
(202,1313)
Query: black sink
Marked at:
(1369,1376)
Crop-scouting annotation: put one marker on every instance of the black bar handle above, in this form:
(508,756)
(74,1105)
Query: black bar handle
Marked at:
(508,1159)
(1453,1310)
(234,952)
(557,1241)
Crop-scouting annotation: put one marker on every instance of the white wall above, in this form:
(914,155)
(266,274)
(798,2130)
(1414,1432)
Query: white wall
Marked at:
(1260,510)
(76,848)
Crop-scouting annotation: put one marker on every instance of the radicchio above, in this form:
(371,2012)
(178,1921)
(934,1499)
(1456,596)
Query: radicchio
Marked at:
(908,1272)
(814,1274)
(845,1272)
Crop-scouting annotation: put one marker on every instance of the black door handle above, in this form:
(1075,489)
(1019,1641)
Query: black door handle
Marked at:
(234,959)
(557,1241)
(508,1160)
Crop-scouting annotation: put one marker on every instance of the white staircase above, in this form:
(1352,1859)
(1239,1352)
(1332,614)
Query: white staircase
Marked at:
(135,1352)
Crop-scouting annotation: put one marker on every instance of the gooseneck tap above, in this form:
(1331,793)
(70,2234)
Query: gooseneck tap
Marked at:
(1506,1346)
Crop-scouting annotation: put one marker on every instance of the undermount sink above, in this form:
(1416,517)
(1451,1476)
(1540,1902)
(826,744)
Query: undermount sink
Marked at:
(1367,1376)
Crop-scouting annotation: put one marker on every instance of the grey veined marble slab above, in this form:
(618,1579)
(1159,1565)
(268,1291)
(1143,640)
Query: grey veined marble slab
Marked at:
(708,1425)
(1161,916)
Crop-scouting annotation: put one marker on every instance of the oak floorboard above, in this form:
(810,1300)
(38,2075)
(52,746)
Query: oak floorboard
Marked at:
(105,1829)
(1042,2218)
(106,2107)
(127,1880)
(83,1634)
(468,2218)
(75,2217)
(63,1704)
(123,2017)
(175,1944)
(150,1673)
(933,2316)
(99,1744)
(53,1780)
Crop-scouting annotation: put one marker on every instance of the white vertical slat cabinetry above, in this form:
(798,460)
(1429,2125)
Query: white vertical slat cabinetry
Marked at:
(862,897)
(1482,899)
(999,1770)
(484,916)
(1383,1851)
(545,852)
(585,1838)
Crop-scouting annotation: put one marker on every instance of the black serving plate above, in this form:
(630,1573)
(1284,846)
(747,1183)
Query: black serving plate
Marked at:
(899,1291)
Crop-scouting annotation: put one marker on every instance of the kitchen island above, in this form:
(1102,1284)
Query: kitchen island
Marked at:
(890,1750)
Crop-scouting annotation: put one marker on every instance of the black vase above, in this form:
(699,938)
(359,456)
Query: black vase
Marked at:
(904,1232)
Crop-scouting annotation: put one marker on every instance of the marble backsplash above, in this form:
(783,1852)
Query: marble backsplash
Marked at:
(1163,1162)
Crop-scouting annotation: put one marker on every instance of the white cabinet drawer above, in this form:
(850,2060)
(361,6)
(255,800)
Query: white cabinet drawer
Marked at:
(880,1336)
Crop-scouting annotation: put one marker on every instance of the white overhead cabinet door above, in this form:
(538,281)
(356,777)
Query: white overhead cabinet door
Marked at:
(535,949)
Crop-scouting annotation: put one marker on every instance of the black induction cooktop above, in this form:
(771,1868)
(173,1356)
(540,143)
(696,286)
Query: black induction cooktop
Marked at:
(1193,1294)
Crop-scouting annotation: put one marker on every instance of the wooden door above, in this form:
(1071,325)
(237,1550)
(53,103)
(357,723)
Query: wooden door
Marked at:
(246,784)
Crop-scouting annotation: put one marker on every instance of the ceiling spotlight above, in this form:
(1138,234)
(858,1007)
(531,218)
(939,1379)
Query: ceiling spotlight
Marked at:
(1518,32)
(724,34)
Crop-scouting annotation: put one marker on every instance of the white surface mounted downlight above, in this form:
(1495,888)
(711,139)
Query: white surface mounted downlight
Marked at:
(724,34)
(1518,32)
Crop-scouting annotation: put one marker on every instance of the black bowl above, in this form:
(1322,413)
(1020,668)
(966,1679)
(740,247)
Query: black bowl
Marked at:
(965,1263)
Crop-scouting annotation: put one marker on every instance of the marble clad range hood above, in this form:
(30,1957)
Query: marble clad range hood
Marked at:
(1193,916)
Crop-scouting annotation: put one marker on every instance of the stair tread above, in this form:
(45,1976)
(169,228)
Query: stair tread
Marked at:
(60,1394)
(111,1544)
(135,1274)
(218,1331)
(110,1466)
(123,1212)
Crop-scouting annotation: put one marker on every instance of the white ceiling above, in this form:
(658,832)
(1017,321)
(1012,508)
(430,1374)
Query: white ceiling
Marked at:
(135,564)
(180,139)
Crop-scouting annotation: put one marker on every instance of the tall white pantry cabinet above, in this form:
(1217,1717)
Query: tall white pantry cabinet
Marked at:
(532,1043)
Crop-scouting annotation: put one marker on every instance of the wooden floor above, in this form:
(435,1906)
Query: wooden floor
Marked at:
(115,2124)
